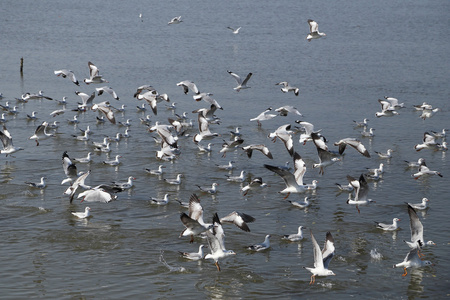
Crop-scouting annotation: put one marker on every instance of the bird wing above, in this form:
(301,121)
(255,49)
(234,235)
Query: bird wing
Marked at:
(313,26)
(238,219)
(328,250)
(236,77)
(287,176)
(247,78)
(416,226)
(299,168)
(318,261)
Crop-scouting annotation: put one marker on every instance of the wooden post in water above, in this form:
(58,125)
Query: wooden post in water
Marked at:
(21,67)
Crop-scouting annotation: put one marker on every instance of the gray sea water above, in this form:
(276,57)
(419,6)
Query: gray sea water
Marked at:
(372,49)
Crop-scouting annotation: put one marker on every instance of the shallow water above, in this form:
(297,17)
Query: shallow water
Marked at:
(387,48)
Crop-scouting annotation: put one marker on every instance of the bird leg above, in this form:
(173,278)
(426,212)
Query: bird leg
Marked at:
(192,239)
(358,209)
(313,279)
(404,274)
(286,196)
(217,265)
(37,143)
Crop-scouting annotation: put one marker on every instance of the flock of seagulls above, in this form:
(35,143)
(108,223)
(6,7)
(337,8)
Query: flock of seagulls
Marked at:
(172,135)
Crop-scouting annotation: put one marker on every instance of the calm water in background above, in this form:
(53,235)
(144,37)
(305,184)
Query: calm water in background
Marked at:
(371,50)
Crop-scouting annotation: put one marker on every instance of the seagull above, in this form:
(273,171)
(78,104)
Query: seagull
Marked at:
(85,99)
(364,123)
(386,155)
(420,206)
(309,129)
(216,241)
(84,137)
(125,185)
(442,134)
(63,101)
(209,190)
(8,146)
(264,116)
(262,246)
(301,205)
(83,215)
(193,222)
(41,133)
(113,162)
(355,143)
(188,85)
(108,90)
(203,127)
(326,158)
(227,167)
(176,20)
(38,185)
(288,88)
(207,149)
(293,181)
(230,146)
(284,110)
(160,201)
(158,171)
(240,84)
(346,188)
(295,237)
(194,255)
(412,260)
(255,183)
(207,98)
(428,113)
(386,109)
(239,219)
(285,135)
(380,169)
(388,227)
(107,111)
(264,150)
(429,142)
(239,178)
(361,189)
(235,31)
(314,31)
(94,77)
(57,112)
(97,194)
(79,182)
(417,241)
(175,181)
(84,160)
(424,170)
(322,258)
(369,134)
(70,169)
(32,116)
(39,95)
(394,102)
(67,73)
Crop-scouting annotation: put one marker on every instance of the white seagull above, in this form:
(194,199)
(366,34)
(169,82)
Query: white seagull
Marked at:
(322,258)
(108,90)
(417,241)
(239,219)
(8,146)
(355,143)
(38,185)
(262,246)
(193,255)
(295,237)
(388,227)
(175,181)
(301,205)
(314,31)
(294,181)
(94,77)
(235,31)
(240,84)
(288,88)
(159,201)
(412,260)
(193,222)
(67,73)
(216,241)
(176,20)
(41,133)
(424,170)
(83,215)
(420,206)
(264,116)
(361,189)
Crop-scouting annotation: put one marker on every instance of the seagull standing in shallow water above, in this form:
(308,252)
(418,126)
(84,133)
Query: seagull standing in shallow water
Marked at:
(262,246)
